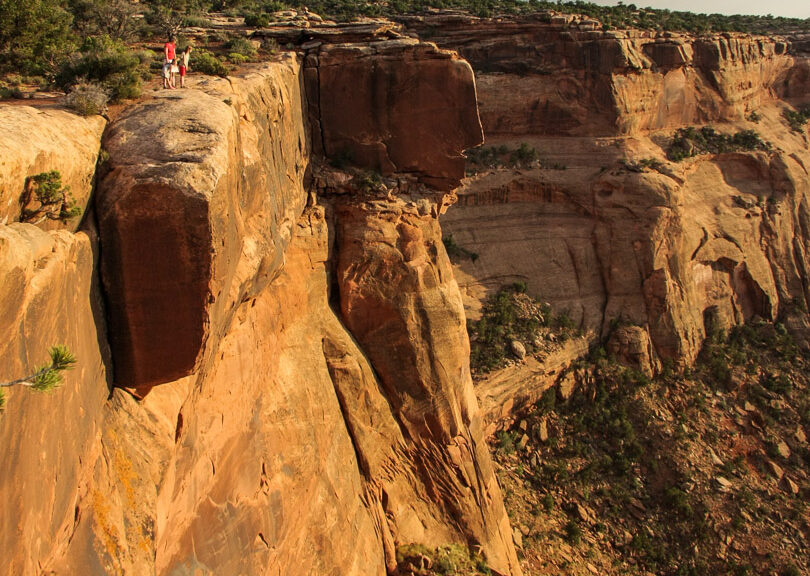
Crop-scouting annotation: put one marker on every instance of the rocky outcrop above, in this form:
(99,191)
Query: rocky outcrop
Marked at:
(541,76)
(248,416)
(36,140)
(416,112)
(399,299)
(195,209)
(677,250)
(49,295)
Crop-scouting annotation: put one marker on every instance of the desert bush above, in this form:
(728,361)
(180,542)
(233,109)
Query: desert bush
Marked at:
(241,46)
(88,98)
(688,142)
(206,63)
(456,252)
(106,61)
(797,118)
(257,20)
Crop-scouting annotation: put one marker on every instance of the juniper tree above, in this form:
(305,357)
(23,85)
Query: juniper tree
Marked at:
(45,197)
(48,376)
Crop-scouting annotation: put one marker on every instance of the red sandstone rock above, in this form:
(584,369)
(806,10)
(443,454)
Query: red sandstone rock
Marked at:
(395,106)
(195,209)
(49,295)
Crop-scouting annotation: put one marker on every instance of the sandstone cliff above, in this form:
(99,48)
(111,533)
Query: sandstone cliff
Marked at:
(287,386)
(290,376)
(36,140)
(703,244)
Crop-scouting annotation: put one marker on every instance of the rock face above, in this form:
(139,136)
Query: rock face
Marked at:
(416,112)
(49,295)
(195,210)
(36,140)
(292,383)
(412,327)
(542,77)
(253,429)
(690,247)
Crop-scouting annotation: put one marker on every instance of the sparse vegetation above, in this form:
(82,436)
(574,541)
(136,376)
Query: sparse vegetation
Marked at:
(689,142)
(88,98)
(47,377)
(668,470)
(451,560)
(240,50)
(524,156)
(509,316)
(456,252)
(107,62)
(796,119)
(643,165)
(44,197)
(206,63)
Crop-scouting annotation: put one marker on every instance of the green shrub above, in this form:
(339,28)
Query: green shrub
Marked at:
(87,98)
(47,377)
(106,61)
(44,197)
(690,141)
(524,155)
(456,252)
(237,58)
(255,20)
(505,442)
(207,63)
(797,118)
(34,34)
(241,46)
(573,533)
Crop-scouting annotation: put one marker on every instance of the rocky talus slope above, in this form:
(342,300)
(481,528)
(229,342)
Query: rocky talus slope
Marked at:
(273,359)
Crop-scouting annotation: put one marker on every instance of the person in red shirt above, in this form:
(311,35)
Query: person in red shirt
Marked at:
(169,61)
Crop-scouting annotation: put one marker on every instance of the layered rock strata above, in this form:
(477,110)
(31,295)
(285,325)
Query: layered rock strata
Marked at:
(262,432)
(679,250)
(416,111)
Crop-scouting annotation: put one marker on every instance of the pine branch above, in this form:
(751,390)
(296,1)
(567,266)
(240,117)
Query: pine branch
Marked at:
(48,376)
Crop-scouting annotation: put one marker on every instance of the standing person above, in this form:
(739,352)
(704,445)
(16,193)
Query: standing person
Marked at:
(168,61)
(183,61)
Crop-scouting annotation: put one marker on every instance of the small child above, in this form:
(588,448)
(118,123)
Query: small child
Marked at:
(183,62)
(167,75)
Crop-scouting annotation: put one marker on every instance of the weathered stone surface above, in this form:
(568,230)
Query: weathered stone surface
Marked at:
(399,300)
(395,106)
(704,242)
(276,426)
(48,296)
(536,79)
(631,346)
(195,209)
(35,140)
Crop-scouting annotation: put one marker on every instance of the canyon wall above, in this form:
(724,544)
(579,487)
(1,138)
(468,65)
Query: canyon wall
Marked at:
(286,387)
(678,249)
(273,365)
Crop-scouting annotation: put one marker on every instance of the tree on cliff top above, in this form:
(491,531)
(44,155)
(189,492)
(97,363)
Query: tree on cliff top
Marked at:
(48,376)
(34,35)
